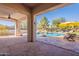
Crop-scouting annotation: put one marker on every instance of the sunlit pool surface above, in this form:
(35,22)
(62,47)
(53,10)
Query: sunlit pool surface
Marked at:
(51,34)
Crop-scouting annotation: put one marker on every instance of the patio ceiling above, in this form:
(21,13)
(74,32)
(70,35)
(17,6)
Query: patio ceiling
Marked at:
(38,7)
(32,5)
(6,10)
(20,11)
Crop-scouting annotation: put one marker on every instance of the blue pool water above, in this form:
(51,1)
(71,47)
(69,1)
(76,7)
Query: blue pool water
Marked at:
(52,34)
(55,34)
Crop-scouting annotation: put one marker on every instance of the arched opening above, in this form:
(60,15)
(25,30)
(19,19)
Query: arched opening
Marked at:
(7,28)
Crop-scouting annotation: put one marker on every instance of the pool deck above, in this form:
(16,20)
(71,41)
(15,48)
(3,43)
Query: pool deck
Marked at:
(60,42)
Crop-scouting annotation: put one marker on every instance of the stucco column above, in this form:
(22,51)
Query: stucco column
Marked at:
(17,28)
(30,28)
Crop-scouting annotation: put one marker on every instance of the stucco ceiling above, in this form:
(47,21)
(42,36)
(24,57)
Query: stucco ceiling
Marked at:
(4,13)
(32,5)
(5,10)
(36,5)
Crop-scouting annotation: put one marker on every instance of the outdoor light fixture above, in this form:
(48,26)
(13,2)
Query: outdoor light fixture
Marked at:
(9,17)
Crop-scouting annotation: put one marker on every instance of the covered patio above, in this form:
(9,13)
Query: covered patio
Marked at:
(28,12)
(27,44)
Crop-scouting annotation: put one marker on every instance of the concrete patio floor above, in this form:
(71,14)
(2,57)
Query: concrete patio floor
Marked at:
(18,46)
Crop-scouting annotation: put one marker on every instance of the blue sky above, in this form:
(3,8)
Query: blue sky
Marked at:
(70,13)
(8,23)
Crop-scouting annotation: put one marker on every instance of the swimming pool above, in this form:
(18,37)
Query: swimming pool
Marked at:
(51,34)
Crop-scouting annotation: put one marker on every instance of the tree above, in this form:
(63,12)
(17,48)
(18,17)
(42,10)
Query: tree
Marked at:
(57,21)
(69,26)
(43,24)
(3,30)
